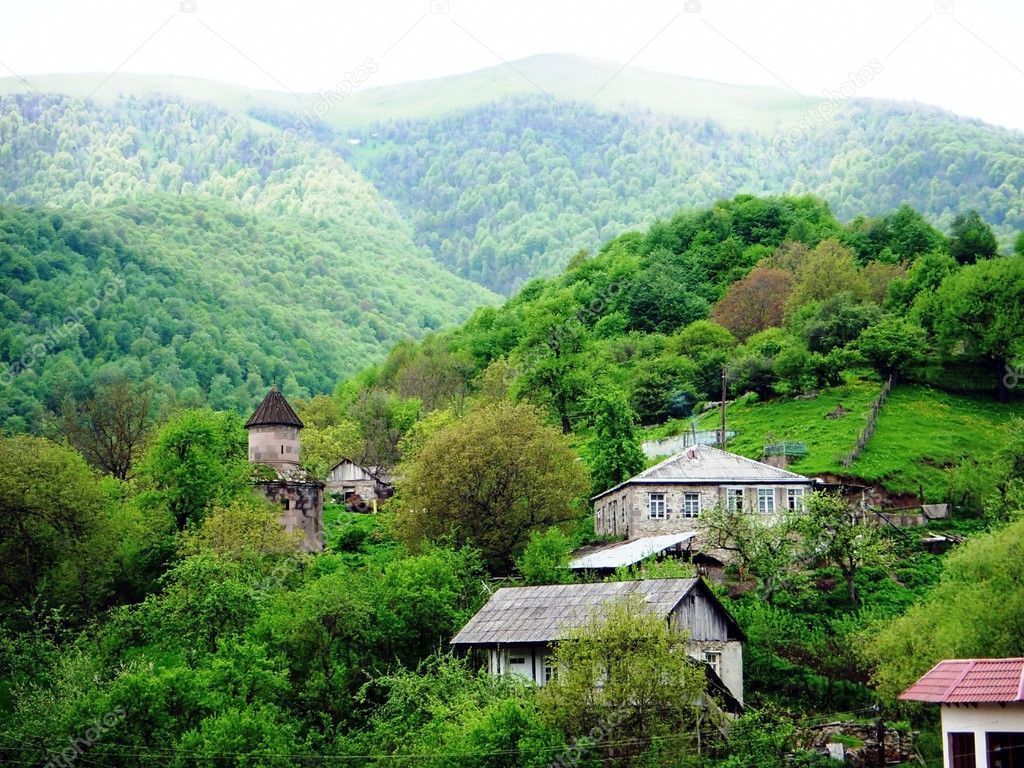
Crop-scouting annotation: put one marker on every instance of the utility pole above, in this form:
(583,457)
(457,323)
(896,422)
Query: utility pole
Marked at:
(721,441)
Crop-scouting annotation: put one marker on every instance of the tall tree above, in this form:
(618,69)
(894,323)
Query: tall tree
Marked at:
(489,480)
(754,303)
(613,450)
(980,309)
(893,347)
(109,428)
(971,238)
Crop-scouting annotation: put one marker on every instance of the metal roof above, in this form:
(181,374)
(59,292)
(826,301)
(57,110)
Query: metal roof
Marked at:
(629,552)
(274,410)
(706,464)
(970,681)
(542,614)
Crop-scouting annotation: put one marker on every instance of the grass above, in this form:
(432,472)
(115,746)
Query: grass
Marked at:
(921,433)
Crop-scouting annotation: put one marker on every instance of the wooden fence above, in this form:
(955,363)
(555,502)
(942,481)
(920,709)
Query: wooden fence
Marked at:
(869,428)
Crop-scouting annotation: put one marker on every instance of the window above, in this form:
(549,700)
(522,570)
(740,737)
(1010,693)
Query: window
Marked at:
(282,450)
(691,504)
(766,500)
(714,660)
(961,750)
(514,660)
(656,505)
(795,498)
(550,670)
(734,499)
(1005,750)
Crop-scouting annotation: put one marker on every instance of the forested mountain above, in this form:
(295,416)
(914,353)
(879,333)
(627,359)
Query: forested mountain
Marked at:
(238,258)
(509,190)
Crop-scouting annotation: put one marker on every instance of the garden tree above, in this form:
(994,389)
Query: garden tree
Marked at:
(246,527)
(110,427)
(445,713)
(58,541)
(893,346)
(767,549)
(383,418)
(976,610)
(613,450)
(754,303)
(489,480)
(196,461)
(835,533)
(545,560)
(979,309)
(834,322)
(792,368)
(828,270)
(625,684)
(971,238)
(552,358)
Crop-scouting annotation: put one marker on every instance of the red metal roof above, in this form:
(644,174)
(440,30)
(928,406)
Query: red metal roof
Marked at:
(970,681)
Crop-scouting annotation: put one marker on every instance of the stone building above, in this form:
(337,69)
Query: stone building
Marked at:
(669,497)
(274,442)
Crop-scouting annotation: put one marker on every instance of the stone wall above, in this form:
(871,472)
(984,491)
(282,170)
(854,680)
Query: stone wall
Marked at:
(276,446)
(302,504)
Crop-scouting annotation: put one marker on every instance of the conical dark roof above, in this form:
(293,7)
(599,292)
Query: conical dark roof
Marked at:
(274,410)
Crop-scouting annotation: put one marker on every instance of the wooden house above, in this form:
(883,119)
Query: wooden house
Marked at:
(519,626)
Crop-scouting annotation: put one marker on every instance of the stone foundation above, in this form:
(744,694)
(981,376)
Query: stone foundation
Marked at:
(302,502)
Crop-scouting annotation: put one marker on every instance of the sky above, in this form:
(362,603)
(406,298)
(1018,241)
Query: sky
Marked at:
(963,55)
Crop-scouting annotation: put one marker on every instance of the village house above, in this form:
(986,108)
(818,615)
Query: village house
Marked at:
(982,703)
(670,496)
(519,626)
(349,480)
(274,443)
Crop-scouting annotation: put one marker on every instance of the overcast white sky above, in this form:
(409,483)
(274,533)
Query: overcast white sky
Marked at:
(964,55)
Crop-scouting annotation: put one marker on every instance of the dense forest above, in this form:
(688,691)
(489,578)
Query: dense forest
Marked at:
(153,611)
(170,242)
(510,190)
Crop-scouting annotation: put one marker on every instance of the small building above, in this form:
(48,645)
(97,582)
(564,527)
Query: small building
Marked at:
(623,554)
(274,442)
(669,497)
(519,626)
(982,703)
(348,479)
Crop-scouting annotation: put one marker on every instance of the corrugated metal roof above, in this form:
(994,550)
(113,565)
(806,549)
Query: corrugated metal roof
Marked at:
(970,681)
(540,614)
(705,464)
(629,552)
(274,410)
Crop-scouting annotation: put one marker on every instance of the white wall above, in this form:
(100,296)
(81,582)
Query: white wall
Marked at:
(979,720)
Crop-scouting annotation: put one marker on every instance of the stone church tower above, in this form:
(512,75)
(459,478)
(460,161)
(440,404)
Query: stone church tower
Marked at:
(274,441)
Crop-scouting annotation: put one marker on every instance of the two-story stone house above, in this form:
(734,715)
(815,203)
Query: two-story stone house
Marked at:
(668,497)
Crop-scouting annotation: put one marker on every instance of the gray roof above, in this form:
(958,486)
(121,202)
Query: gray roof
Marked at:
(541,614)
(629,552)
(706,464)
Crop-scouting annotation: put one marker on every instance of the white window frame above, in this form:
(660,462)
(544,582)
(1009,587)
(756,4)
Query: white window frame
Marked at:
(657,508)
(550,670)
(691,504)
(732,494)
(795,498)
(714,660)
(766,501)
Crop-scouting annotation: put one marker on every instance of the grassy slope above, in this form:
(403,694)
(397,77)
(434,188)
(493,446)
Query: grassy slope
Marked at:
(920,432)
(603,83)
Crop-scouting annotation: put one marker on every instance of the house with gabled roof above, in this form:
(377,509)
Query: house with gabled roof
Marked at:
(982,703)
(519,627)
(669,497)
